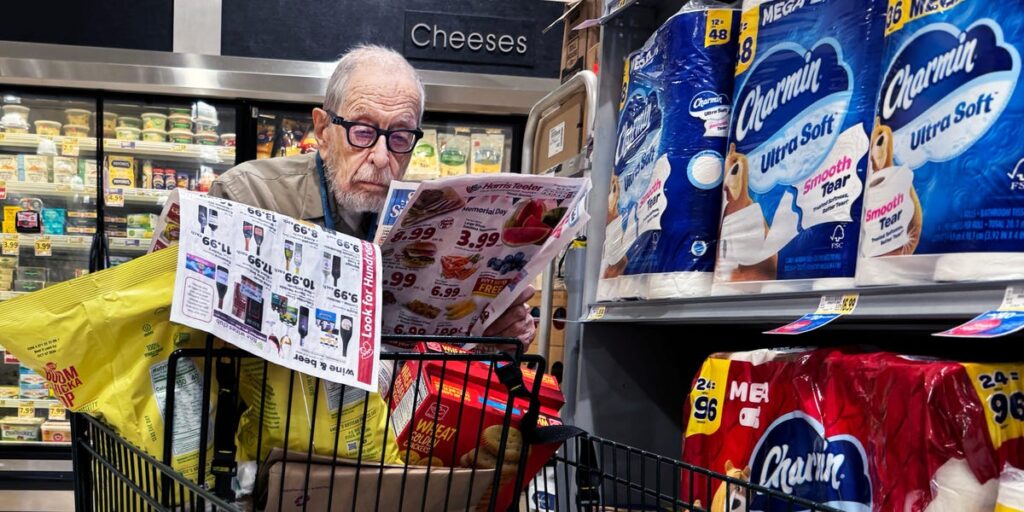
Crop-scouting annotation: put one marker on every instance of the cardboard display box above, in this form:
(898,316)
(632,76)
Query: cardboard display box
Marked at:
(580,47)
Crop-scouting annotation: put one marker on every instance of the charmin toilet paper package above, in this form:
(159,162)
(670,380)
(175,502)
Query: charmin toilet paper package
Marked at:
(856,431)
(945,199)
(665,191)
(806,77)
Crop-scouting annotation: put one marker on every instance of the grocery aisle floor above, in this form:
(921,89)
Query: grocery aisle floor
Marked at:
(37,501)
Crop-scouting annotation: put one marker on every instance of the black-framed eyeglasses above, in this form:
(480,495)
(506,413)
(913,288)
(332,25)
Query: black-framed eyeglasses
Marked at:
(362,135)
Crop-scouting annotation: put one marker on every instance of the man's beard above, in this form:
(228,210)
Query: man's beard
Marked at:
(358,200)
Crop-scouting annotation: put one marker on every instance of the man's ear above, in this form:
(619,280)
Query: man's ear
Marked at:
(321,121)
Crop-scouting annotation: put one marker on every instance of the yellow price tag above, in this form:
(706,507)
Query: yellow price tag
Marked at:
(57,413)
(69,146)
(3,136)
(597,313)
(837,304)
(179,148)
(44,246)
(10,245)
(114,198)
(26,410)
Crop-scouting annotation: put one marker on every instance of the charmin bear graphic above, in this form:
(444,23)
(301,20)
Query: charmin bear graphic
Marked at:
(739,205)
(881,162)
(733,499)
(614,268)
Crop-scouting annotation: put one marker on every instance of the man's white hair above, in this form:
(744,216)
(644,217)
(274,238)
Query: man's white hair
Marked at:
(337,86)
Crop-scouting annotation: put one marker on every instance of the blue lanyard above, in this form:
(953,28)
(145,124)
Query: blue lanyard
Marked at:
(328,218)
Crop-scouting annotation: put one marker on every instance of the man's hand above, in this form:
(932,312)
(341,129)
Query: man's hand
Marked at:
(516,321)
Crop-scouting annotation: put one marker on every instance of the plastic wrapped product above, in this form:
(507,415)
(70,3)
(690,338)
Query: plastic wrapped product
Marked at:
(806,78)
(105,352)
(823,424)
(945,200)
(666,187)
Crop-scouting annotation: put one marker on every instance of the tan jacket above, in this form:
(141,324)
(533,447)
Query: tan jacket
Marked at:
(290,186)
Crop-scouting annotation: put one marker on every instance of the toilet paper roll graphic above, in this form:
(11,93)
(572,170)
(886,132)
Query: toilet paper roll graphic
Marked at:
(665,195)
(956,132)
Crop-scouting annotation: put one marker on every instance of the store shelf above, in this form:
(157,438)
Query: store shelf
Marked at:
(139,245)
(49,190)
(144,196)
(35,443)
(64,242)
(165,150)
(14,403)
(170,151)
(943,302)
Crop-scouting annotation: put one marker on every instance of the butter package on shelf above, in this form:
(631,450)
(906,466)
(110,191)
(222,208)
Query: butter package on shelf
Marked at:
(65,169)
(120,171)
(9,168)
(88,171)
(13,428)
(34,168)
(806,79)
(665,194)
(945,200)
(10,222)
(56,431)
(9,392)
(32,386)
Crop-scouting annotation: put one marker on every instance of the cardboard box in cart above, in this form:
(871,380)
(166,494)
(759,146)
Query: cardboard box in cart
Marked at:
(474,437)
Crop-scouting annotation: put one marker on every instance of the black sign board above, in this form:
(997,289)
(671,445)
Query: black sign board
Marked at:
(450,37)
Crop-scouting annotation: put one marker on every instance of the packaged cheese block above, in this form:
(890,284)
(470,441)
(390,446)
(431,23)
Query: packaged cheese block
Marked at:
(806,78)
(856,431)
(665,195)
(945,198)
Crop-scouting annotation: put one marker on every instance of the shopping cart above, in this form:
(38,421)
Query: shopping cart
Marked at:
(296,473)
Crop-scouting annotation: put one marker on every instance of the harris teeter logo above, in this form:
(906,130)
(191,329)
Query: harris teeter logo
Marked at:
(789,112)
(945,88)
(795,458)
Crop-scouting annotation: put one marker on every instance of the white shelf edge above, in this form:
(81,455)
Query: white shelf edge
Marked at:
(945,302)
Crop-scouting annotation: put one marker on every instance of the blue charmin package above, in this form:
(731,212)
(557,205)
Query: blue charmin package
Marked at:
(666,189)
(945,200)
(806,79)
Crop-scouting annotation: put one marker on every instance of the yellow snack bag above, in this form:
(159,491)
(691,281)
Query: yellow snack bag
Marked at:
(273,398)
(104,352)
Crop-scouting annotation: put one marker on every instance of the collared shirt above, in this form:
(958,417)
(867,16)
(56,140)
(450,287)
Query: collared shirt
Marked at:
(290,186)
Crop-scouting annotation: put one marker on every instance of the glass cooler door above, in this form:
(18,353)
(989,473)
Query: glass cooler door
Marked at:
(48,175)
(151,147)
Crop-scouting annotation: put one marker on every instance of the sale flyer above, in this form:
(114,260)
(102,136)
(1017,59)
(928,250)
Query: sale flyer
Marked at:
(285,290)
(463,248)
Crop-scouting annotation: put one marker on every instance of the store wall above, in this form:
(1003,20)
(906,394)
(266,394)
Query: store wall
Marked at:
(480,36)
(139,24)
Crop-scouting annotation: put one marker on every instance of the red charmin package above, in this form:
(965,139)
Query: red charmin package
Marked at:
(856,431)
(469,405)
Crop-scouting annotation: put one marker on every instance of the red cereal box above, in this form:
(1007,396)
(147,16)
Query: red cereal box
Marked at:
(469,409)
(856,431)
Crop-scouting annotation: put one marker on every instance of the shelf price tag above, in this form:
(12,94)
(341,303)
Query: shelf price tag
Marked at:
(830,307)
(10,245)
(596,313)
(26,410)
(69,146)
(44,246)
(1007,319)
(179,148)
(57,413)
(3,190)
(114,197)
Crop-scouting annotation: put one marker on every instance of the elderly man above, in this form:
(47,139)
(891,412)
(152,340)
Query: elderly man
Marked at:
(366,131)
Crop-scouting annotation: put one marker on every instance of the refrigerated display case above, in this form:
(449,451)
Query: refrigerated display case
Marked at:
(151,147)
(451,145)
